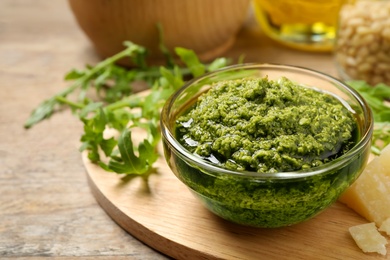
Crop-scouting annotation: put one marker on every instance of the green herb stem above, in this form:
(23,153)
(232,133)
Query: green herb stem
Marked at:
(63,100)
(130,102)
(46,108)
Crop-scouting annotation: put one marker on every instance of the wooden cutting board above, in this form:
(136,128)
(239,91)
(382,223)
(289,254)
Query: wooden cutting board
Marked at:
(161,212)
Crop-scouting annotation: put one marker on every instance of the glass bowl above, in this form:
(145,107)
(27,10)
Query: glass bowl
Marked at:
(266,200)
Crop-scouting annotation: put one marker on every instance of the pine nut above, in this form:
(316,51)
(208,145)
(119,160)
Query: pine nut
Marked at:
(362,48)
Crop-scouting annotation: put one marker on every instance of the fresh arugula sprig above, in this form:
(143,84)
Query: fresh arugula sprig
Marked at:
(121,111)
(83,80)
(377,98)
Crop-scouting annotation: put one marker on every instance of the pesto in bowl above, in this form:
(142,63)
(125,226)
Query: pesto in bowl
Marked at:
(266,145)
(256,124)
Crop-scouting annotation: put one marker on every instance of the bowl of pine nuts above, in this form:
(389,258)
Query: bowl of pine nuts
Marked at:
(362,48)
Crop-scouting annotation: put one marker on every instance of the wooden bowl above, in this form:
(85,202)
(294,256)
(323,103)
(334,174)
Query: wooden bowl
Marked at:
(207,27)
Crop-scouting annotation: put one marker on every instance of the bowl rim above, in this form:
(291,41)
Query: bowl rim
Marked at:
(203,165)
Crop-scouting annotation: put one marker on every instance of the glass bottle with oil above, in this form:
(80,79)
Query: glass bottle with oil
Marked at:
(302,24)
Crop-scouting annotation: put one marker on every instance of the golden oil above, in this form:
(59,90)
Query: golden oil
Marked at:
(309,25)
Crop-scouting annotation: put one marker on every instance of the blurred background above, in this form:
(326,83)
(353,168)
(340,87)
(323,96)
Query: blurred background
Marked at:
(46,206)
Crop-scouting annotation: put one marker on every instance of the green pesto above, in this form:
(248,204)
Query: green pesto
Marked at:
(267,203)
(266,126)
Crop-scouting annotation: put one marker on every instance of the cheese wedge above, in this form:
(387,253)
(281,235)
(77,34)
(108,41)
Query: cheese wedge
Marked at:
(385,227)
(368,238)
(369,195)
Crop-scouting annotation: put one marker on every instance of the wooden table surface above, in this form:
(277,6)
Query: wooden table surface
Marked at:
(46,205)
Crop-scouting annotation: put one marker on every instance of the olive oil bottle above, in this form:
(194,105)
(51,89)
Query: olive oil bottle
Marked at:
(302,24)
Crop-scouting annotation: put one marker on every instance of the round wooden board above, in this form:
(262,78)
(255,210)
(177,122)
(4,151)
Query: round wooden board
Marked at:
(161,212)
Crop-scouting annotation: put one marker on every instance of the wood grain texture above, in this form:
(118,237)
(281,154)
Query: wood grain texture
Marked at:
(185,24)
(162,212)
(46,205)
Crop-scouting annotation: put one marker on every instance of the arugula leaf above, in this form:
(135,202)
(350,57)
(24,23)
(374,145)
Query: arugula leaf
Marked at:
(380,137)
(381,91)
(191,60)
(44,111)
(119,109)
(377,98)
(74,74)
(93,136)
(218,64)
(129,162)
(83,81)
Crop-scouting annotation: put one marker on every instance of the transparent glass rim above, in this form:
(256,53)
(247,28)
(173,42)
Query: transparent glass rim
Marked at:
(210,168)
